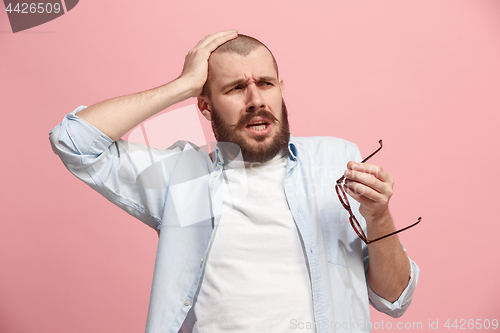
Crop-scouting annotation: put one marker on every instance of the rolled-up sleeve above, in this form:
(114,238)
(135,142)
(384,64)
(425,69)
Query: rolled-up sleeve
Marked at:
(114,168)
(397,308)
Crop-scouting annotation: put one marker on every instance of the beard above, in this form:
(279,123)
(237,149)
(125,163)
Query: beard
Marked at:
(231,142)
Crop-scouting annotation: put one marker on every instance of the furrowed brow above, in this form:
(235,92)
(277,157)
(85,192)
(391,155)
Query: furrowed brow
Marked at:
(242,80)
(232,83)
(267,78)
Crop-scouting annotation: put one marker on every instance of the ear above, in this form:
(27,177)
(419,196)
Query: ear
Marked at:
(204,106)
(282,87)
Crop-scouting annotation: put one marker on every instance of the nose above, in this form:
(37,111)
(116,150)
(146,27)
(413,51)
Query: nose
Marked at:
(255,100)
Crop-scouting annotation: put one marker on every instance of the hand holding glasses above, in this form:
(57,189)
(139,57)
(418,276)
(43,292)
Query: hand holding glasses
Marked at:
(352,219)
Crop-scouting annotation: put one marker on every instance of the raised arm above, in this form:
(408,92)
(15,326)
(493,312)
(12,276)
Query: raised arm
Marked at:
(132,176)
(116,116)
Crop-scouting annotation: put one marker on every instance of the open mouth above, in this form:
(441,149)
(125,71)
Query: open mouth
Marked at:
(258,125)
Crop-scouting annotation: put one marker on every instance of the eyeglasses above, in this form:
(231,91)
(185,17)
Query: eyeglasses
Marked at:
(352,219)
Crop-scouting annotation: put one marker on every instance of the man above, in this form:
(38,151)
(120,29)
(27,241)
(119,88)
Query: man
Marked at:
(253,239)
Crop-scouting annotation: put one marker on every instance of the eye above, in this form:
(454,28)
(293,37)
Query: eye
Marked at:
(237,88)
(266,84)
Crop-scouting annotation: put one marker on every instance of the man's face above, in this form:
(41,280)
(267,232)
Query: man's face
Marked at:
(246,104)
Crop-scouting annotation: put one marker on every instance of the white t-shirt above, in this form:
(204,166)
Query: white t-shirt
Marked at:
(256,278)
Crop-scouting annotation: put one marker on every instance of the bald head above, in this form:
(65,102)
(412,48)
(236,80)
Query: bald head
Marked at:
(241,45)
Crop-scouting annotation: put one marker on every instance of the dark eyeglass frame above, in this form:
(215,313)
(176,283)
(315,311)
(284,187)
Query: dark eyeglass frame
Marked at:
(352,219)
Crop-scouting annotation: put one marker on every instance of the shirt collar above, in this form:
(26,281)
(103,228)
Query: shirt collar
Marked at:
(219,159)
(292,148)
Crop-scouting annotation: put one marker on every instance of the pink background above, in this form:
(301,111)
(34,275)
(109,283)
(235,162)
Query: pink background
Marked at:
(422,75)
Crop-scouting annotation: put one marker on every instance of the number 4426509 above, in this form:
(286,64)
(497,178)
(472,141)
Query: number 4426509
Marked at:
(32,8)
(462,324)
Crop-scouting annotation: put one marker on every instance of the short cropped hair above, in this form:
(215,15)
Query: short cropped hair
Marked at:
(241,45)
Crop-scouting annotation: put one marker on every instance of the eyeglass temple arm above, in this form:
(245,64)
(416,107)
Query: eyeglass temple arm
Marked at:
(369,241)
(376,151)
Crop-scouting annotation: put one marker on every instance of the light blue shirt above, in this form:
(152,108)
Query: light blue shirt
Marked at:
(178,191)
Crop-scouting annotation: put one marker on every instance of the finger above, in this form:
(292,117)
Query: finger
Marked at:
(371,169)
(358,197)
(362,193)
(208,38)
(213,41)
(357,177)
(220,40)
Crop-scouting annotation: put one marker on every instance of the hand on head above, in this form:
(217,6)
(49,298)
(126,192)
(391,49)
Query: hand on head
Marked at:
(196,63)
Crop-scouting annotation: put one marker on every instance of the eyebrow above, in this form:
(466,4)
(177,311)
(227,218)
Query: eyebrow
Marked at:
(238,81)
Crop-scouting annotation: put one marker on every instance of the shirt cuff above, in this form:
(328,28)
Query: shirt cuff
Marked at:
(80,136)
(398,307)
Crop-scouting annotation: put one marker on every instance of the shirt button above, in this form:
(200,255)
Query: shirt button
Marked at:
(202,260)
(186,303)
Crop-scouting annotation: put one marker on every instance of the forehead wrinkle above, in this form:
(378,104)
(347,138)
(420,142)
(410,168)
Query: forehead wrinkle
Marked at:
(248,80)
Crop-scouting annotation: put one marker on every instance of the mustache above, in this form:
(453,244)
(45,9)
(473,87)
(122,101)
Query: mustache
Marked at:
(249,116)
